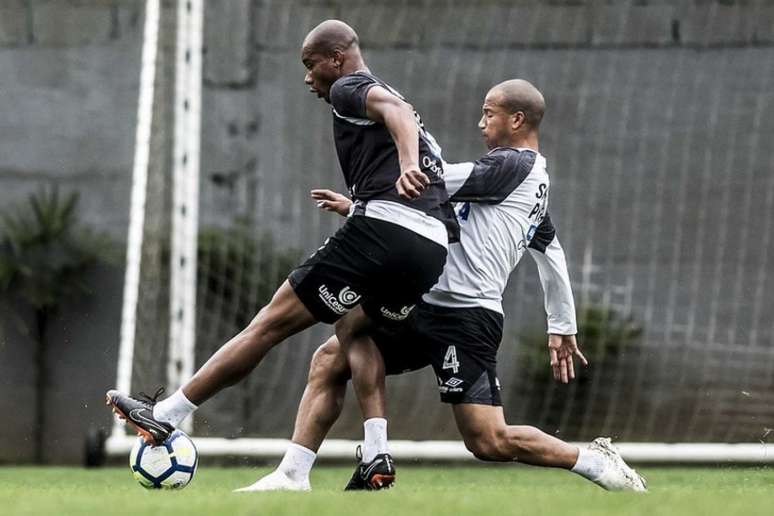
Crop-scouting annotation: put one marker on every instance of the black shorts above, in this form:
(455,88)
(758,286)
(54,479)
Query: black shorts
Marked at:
(380,265)
(460,343)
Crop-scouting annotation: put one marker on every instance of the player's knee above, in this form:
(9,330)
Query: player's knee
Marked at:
(351,326)
(482,450)
(329,364)
(345,331)
(490,445)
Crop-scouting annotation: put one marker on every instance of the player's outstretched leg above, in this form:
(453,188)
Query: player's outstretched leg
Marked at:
(284,316)
(320,407)
(489,438)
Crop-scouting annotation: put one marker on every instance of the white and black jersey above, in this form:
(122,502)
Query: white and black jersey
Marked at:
(503,211)
(457,329)
(369,161)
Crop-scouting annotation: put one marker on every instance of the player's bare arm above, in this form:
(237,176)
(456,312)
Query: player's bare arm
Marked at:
(398,115)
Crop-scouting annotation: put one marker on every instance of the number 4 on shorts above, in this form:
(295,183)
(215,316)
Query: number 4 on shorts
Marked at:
(450,360)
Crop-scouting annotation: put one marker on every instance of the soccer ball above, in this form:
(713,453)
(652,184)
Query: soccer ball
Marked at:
(170,465)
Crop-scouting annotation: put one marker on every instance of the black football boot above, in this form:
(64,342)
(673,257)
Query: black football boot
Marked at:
(138,413)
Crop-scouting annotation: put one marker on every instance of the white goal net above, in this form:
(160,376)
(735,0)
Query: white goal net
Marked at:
(657,132)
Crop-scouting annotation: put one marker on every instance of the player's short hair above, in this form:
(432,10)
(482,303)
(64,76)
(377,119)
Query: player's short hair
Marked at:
(331,36)
(521,95)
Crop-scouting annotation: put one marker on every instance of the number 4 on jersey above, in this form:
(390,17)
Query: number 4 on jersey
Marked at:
(450,360)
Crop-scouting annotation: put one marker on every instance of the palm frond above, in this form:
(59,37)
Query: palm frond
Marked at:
(45,252)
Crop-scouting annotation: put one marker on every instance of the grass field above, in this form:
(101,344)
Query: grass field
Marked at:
(443,490)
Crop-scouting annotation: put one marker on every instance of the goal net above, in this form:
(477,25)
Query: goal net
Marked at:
(659,116)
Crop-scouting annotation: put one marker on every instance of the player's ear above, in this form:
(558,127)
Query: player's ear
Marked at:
(337,57)
(518,119)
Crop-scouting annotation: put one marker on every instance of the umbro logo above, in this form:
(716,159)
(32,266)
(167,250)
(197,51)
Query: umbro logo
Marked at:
(454,382)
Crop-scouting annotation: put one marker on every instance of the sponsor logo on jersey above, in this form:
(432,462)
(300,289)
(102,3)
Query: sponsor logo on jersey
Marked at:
(453,382)
(348,297)
(431,164)
(451,385)
(338,304)
(397,316)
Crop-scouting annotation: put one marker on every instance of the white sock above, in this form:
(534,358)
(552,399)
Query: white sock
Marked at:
(590,464)
(297,463)
(375,440)
(174,409)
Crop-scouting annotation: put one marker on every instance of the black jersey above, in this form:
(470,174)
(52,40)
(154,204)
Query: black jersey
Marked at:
(369,157)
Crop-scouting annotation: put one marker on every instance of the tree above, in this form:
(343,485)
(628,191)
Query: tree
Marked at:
(45,259)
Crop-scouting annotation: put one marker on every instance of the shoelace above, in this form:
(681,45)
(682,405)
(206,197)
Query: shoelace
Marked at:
(151,399)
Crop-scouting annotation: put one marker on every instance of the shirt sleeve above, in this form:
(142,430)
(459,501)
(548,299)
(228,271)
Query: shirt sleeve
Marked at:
(455,175)
(490,179)
(348,95)
(555,280)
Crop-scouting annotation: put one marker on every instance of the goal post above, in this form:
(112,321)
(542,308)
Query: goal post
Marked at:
(177,39)
(137,203)
(185,203)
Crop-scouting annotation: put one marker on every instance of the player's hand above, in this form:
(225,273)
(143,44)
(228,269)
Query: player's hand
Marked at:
(412,182)
(562,349)
(329,200)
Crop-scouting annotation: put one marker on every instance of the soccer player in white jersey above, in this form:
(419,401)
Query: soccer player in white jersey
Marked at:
(503,202)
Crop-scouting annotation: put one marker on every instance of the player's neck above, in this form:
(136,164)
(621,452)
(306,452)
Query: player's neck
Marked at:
(529,141)
(354,65)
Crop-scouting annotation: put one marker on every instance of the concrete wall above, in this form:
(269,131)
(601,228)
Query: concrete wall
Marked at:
(68,99)
(659,115)
(17,384)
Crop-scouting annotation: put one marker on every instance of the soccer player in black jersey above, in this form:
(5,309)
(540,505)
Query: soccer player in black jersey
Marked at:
(390,251)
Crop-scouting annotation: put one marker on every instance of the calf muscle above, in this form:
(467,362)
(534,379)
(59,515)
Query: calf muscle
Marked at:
(490,438)
(323,397)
